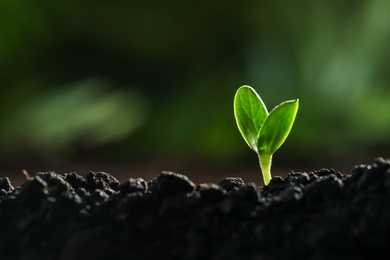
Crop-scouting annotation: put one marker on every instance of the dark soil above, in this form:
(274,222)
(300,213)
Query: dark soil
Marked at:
(318,215)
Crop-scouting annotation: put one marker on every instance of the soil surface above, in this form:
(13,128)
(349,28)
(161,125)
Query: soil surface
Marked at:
(317,215)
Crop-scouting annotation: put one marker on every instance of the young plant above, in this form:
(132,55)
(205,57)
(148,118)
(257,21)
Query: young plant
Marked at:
(264,132)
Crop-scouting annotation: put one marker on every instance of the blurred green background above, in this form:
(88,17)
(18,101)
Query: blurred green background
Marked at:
(139,82)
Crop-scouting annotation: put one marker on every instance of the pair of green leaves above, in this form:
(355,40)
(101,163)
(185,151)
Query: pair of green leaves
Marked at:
(264,132)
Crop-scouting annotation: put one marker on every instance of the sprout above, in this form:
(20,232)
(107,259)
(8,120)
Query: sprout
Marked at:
(264,132)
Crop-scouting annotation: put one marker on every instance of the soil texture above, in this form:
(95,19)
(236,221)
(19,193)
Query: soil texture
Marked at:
(323,214)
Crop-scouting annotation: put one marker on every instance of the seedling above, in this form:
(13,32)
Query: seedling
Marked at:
(264,132)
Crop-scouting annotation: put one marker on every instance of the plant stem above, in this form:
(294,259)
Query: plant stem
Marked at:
(265,165)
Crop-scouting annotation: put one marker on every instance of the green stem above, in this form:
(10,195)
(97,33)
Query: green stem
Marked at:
(265,165)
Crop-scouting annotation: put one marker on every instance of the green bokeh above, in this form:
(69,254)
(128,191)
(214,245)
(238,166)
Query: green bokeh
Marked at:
(136,79)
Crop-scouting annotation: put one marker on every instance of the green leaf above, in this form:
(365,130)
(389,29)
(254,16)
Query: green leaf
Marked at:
(250,113)
(277,127)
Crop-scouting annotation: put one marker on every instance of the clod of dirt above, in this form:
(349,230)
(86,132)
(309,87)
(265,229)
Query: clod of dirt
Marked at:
(317,215)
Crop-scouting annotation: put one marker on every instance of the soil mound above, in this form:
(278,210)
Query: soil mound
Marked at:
(318,215)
